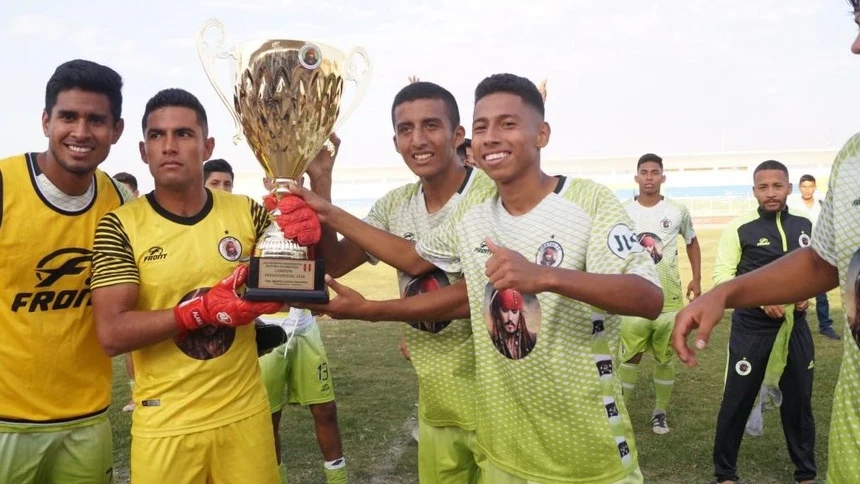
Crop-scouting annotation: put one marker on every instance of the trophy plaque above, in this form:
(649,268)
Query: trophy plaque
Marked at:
(286,102)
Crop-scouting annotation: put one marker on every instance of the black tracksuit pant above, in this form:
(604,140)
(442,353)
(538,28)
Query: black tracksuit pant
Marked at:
(743,382)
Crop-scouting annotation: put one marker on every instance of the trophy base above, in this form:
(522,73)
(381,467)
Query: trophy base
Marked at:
(286,280)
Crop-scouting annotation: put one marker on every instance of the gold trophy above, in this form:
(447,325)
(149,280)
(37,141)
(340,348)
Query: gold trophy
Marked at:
(286,103)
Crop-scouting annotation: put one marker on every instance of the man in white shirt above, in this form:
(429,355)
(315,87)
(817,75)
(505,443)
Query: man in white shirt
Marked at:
(810,205)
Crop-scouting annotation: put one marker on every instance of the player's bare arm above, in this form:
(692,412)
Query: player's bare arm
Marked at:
(756,288)
(120,328)
(623,294)
(694,254)
(450,302)
(391,249)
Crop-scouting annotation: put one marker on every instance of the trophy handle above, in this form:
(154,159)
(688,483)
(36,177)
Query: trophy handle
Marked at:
(218,52)
(361,80)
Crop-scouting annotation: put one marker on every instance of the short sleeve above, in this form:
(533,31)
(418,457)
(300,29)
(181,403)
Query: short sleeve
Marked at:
(613,247)
(113,256)
(439,247)
(687,230)
(260,216)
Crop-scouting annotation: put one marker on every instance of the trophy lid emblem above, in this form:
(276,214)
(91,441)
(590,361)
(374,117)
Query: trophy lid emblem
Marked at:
(310,56)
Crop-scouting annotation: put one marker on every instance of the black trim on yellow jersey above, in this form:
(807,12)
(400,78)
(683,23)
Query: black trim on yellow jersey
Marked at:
(191,220)
(33,169)
(118,191)
(54,421)
(465,180)
(561,180)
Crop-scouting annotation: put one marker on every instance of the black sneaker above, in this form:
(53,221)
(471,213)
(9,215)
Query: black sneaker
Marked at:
(659,425)
(830,333)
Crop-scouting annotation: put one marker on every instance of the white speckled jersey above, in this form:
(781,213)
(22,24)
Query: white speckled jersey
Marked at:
(548,399)
(836,238)
(658,228)
(441,351)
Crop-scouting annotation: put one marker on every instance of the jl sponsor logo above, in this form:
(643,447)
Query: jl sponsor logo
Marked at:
(763,242)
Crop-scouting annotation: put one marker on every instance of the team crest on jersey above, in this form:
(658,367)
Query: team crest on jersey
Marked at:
(743,367)
(427,283)
(622,241)
(653,245)
(230,248)
(549,254)
(409,236)
(804,240)
(666,224)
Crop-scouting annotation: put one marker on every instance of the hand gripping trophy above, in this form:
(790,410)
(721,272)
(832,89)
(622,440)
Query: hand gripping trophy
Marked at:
(286,102)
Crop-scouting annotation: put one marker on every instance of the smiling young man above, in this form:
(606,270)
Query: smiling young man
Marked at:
(156,268)
(658,222)
(55,381)
(535,423)
(427,132)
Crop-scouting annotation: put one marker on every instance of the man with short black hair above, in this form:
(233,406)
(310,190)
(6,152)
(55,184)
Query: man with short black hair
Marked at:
(747,243)
(55,381)
(810,204)
(218,175)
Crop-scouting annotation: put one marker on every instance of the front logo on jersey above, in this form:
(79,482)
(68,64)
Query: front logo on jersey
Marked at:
(804,240)
(549,254)
(513,321)
(154,253)
(666,224)
(852,296)
(743,367)
(622,241)
(230,248)
(60,265)
(427,283)
(856,203)
(652,244)
(763,242)
(482,249)
(208,341)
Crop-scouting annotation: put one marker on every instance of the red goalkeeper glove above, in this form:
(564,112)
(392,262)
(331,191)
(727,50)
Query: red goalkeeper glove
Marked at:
(222,306)
(298,221)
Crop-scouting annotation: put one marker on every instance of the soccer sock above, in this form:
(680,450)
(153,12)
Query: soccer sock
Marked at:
(664,382)
(335,471)
(629,375)
(282,472)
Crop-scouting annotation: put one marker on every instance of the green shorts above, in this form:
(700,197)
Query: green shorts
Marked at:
(302,366)
(71,453)
(447,455)
(639,335)
(490,474)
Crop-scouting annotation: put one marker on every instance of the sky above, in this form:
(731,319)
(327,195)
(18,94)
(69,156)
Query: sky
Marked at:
(624,78)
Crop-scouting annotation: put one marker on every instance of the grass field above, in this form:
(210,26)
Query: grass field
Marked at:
(377,394)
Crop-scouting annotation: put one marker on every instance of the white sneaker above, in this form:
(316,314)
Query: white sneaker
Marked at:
(659,425)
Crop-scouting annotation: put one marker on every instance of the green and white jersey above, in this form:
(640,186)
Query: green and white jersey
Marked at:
(836,238)
(548,398)
(658,228)
(441,351)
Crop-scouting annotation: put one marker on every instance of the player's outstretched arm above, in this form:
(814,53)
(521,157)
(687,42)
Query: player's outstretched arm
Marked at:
(121,329)
(340,257)
(811,275)
(450,302)
(624,294)
(391,249)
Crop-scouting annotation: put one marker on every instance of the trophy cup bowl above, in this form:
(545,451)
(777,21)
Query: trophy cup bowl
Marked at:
(286,102)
